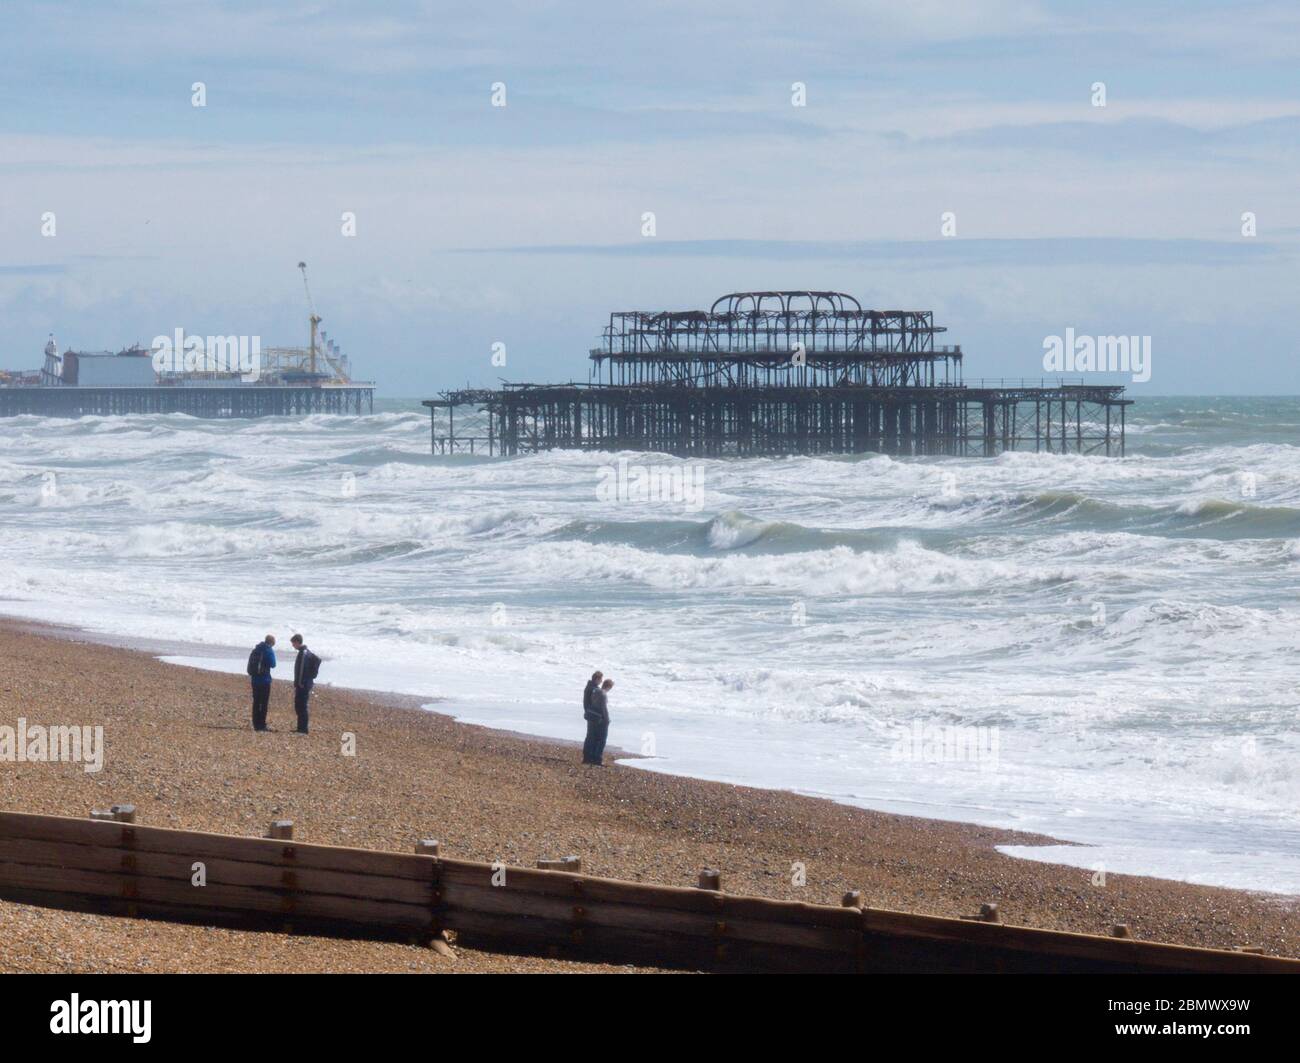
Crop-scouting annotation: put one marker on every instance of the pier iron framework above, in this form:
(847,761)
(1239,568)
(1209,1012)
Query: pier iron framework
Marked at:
(771,373)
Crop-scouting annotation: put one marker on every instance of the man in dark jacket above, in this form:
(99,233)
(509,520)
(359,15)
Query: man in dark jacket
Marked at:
(260,663)
(305,668)
(593,684)
(598,728)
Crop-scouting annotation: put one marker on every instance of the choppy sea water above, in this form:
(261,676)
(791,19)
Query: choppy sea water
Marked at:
(1101,650)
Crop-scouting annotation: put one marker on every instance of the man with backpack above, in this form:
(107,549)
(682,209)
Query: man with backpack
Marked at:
(260,663)
(305,670)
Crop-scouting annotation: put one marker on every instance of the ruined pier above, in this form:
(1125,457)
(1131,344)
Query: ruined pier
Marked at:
(772,373)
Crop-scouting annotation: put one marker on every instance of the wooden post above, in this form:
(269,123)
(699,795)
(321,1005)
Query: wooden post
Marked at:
(123,813)
(1119,930)
(281,828)
(852,899)
(710,879)
(437,940)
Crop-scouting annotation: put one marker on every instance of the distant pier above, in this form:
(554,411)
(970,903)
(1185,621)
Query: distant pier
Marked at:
(772,373)
(208,402)
(202,376)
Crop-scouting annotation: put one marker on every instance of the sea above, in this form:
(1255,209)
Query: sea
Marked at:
(1100,650)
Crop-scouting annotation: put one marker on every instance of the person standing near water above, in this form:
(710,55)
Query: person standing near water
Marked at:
(260,663)
(593,684)
(305,669)
(598,724)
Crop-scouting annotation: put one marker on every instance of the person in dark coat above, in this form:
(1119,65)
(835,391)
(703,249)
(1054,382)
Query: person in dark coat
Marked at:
(305,668)
(260,663)
(598,729)
(593,684)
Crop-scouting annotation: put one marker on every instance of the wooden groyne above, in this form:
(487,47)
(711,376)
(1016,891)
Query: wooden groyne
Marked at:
(113,865)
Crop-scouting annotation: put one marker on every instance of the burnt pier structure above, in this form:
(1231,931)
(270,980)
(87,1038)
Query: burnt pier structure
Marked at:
(771,373)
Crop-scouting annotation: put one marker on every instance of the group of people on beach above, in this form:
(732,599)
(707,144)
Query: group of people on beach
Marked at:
(595,710)
(306,667)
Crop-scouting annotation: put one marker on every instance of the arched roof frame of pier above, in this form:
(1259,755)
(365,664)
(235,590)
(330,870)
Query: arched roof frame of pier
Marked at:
(835,303)
(749,335)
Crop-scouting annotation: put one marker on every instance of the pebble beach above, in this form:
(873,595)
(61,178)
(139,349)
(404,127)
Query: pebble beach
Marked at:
(179,747)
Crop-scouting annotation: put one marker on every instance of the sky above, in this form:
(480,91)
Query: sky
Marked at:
(478,224)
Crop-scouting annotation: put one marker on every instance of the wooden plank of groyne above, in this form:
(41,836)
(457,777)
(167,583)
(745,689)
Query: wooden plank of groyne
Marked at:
(661,947)
(513,900)
(217,871)
(566,884)
(680,898)
(954,937)
(287,904)
(199,845)
(234,918)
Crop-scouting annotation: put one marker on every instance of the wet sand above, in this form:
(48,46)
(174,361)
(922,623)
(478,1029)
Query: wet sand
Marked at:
(179,747)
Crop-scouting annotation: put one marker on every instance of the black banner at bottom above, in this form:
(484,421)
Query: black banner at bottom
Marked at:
(336,1012)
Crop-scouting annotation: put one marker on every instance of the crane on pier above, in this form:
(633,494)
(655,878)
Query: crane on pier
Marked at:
(336,362)
(315,317)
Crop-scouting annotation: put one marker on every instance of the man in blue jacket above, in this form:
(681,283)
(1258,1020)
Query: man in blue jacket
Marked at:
(305,669)
(260,663)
